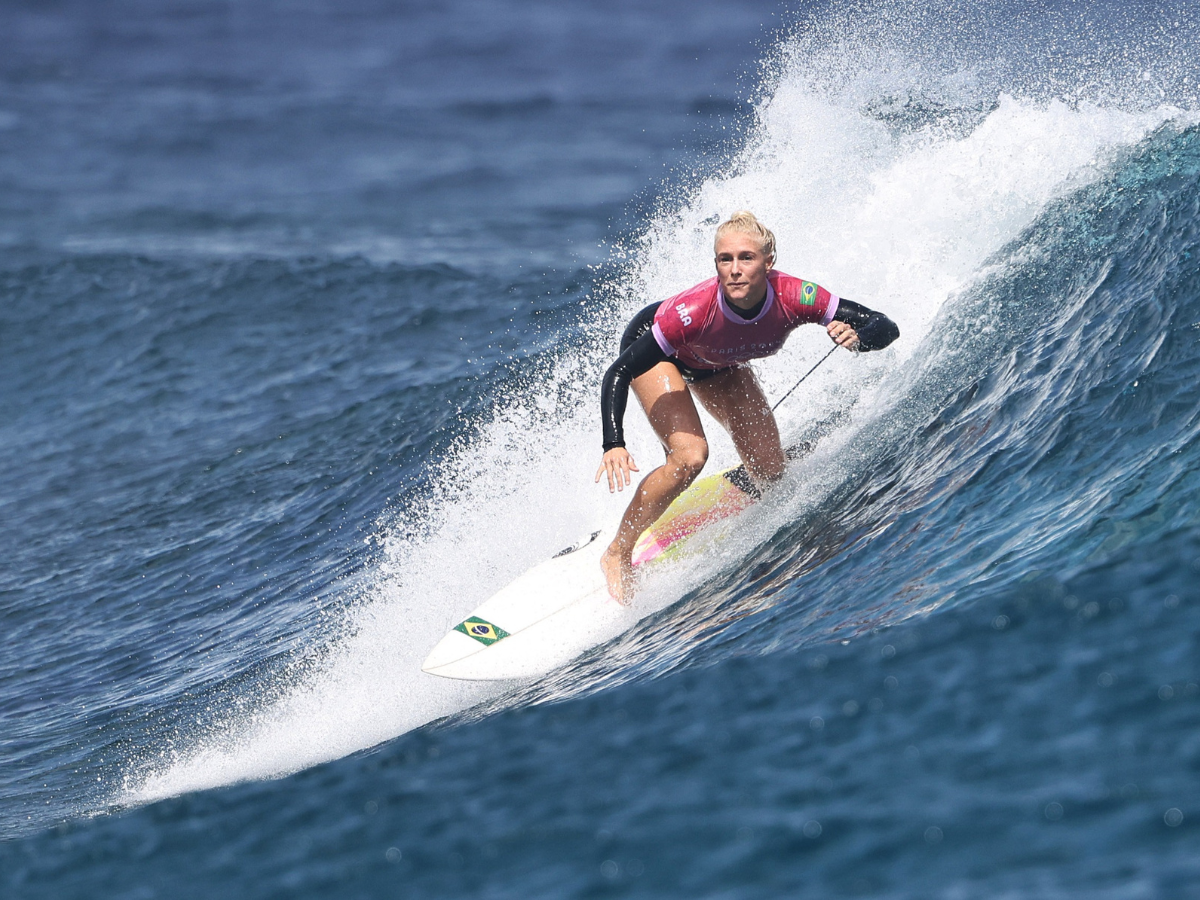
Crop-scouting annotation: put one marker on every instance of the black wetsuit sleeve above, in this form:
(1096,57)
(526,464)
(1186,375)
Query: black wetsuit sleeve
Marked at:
(639,358)
(875,330)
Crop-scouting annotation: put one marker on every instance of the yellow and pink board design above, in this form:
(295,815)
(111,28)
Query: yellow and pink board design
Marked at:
(707,501)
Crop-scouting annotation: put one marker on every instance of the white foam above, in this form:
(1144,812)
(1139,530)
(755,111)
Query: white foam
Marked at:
(897,220)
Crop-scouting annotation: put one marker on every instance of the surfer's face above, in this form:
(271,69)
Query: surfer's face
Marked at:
(742,269)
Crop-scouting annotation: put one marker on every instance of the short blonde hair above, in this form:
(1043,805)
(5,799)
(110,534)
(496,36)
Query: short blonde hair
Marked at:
(744,222)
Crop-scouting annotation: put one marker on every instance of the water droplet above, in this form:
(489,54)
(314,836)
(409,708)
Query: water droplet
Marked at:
(1054,811)
(393,854)
(1000,623)
(850,708)
(1105,679)
(609,869)
(933,835)
(812,829)
(1166,692)
(816,723)
(888,651)
(1173,817)
(891,682)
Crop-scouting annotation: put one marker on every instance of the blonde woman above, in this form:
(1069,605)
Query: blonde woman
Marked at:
(697,344)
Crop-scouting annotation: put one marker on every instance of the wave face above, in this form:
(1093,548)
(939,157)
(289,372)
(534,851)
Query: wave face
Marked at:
(1043,429)
(255,468)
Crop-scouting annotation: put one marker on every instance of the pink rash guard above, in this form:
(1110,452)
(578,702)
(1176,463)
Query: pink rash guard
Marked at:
(699,329)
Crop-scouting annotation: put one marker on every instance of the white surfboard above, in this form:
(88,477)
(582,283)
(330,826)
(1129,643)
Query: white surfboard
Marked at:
(543,619)
(561,608)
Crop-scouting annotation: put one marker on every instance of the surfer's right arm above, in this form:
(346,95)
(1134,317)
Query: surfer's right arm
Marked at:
(639,358)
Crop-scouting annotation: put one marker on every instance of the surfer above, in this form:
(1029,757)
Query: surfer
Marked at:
(697,344)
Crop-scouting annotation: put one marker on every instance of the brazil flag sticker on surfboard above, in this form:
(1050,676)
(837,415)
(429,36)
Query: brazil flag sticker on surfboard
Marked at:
(480,629)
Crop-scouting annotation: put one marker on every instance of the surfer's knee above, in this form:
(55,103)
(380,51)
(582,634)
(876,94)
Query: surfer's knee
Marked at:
(688,458)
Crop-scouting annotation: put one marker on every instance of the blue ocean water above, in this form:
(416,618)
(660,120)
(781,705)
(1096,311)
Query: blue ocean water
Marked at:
(303,310)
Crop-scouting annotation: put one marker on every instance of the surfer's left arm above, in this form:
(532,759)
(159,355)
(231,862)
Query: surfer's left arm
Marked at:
(857,328)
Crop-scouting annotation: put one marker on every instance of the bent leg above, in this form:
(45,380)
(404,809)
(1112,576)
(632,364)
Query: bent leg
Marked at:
(674,417)
(736,400)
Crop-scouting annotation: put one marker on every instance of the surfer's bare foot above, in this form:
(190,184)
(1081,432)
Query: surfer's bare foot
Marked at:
(618,572)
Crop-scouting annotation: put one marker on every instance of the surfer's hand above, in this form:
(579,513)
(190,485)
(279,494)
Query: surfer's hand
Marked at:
(618,464)
(843,335)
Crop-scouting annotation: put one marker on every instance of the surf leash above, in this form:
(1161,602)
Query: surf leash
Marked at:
(802,377)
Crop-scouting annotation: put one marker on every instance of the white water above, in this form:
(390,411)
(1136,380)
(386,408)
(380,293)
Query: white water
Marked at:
(898,221)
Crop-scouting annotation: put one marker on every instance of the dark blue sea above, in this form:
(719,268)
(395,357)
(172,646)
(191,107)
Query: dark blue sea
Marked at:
(303,311)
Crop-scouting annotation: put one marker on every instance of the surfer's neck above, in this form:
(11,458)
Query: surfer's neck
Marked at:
(748,312)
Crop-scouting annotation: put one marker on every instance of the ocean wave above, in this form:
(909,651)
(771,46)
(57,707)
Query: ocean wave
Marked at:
(1029,249)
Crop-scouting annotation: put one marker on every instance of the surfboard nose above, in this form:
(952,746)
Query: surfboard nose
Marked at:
(451,649)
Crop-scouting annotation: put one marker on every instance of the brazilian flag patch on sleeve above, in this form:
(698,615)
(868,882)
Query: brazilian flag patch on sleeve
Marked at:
(808,293)
(484,632)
